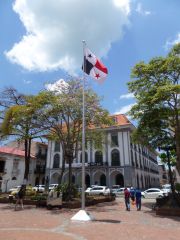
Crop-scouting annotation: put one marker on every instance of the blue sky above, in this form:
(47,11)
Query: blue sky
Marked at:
(40,41)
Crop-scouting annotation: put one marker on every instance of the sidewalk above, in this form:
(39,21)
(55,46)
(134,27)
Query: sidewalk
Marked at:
(111,222)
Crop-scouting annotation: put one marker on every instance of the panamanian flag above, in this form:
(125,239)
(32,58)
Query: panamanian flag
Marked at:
(93,67)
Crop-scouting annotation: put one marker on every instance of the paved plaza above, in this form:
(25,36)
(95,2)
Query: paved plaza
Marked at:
(111,222)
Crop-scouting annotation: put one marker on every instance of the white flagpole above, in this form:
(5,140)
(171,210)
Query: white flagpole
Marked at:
(82,215)
(83,133)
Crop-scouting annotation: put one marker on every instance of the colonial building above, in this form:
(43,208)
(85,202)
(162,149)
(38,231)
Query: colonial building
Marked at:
(12,164)
(119,161)
(12,167)
(39,150)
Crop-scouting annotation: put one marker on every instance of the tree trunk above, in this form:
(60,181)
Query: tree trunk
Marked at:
(70,178)
(177,139)
(27,145)
(62,169)
(170,172)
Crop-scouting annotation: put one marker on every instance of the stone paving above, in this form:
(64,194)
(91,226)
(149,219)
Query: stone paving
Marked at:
(112,222)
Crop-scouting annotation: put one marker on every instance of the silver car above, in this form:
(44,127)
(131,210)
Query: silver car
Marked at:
(98,190)
(152,193)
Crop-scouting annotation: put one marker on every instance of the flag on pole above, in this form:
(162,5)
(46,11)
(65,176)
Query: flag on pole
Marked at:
(93,67)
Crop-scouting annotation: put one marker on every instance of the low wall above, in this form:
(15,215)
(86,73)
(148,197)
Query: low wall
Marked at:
(168,211)
(71,204)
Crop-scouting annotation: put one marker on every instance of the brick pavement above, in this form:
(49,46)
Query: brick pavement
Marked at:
(111,222)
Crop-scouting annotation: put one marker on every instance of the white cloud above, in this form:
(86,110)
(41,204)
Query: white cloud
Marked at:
(127,96)
(27,81)
(57,86)
(55,30)
(125,109)
(170,43)
(140,10)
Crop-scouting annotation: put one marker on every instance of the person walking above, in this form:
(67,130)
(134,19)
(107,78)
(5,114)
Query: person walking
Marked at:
(132,195)
(127,199)
(138,199)
(20,196)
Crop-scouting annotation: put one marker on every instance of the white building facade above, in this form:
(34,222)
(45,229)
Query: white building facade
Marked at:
(118,162)
(12,165)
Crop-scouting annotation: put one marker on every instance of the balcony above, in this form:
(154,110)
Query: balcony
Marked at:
(93,164)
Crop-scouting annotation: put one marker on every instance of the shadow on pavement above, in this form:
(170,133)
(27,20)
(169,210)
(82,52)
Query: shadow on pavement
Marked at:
(107,221)
(153,214)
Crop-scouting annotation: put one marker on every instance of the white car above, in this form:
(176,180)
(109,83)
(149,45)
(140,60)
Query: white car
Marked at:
(119,192)
(166,189)
(14,188)
(98,190)
(152,193)
(52,186)
(39,188)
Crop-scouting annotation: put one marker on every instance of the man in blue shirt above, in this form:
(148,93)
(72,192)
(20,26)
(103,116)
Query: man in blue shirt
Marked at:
(138,199)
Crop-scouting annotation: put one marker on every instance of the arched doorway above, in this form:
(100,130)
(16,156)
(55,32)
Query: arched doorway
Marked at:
(55,178)
(87,180)
(119,180)
(103,180)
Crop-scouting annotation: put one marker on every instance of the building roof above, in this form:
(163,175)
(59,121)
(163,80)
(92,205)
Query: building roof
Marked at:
(120,120)
(13,151)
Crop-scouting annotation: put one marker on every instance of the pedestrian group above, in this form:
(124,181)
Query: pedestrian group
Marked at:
(134,196)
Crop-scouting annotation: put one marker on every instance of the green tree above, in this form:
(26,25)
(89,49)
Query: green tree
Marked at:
(156,88)
(66,119)
(25,121)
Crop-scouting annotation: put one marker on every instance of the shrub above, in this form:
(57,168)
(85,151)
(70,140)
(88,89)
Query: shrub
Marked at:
(39,197)
(64,189)
(177,187)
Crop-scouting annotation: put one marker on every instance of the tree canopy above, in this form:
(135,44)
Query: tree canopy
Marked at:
(156,88)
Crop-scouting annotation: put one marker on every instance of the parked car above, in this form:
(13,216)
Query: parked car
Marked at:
(152,193)
(166,189)
(115,187)
(52,186)
(14,189)
(119,192)
(98,190)
(39,188)
(29,191)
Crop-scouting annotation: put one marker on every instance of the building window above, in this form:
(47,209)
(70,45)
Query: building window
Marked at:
(2,165)
(115,158)
(115,120)
(56,161)
(114,140)
(57,147)
(99,157)
(132,158)
(86,157)
(15,164)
